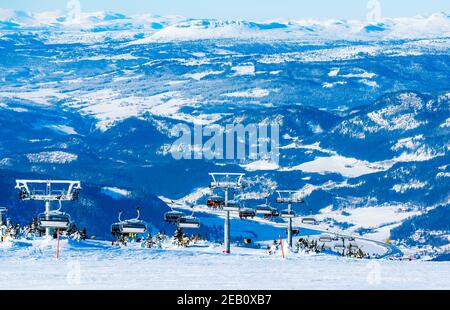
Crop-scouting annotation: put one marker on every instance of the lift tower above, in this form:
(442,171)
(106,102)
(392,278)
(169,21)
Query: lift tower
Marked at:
(48,191)
(290,197)
(226,181)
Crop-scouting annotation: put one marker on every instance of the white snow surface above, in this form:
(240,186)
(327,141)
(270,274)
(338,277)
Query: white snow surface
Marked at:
(348,167)
(55,157)
(116,193)
(97,265)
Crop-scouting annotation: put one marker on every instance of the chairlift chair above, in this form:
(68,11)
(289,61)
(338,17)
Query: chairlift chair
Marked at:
(215,201)
(131,226)
(55,220)
(288,214)
(339,247)
(247,213)
(232,206)
(295,231)
(172,217)
(188,222)
(309,221)
(325,239)
(353,246)
(275,213)
(2,214)
(264,209)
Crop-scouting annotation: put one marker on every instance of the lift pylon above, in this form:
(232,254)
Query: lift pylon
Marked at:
(226,181)
(49,191)
(290,197)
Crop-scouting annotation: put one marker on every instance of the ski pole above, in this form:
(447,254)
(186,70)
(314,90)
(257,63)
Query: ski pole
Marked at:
(282,249)
(57,245)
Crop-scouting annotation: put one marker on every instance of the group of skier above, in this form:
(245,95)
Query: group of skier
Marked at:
(304,245)
(10,231)
(183,240)
(179,239)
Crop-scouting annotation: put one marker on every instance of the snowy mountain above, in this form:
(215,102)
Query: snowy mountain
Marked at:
(159,28)
(363,110)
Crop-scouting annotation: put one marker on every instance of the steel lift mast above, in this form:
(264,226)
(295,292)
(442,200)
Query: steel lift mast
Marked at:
(227,181)
(68,191)
(290,197)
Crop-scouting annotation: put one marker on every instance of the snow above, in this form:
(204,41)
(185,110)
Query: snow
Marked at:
(241,70)
(116,193)
(56,157)
(64,129)
(43,96)
(410,143)
(446,124)
(443,175)
(96,26)
(360,74)
(334,72)
(97,265)
(348,167)
(380,218)
(251,93)
(411,185)
(369,83)
(385,120)
(331,85)
(200,75)
(261,165)
(315,147)
(109,106)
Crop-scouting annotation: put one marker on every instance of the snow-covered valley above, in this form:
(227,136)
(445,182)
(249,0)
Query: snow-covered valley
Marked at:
(363,111)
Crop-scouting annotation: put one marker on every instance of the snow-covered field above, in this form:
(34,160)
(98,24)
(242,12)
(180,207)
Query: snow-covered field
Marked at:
(97,265)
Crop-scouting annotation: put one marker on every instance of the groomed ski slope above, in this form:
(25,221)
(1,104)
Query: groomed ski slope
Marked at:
(97,265)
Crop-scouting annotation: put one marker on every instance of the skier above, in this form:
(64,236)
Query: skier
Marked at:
(274,247)
(149,241)
(83,234)
(178,237)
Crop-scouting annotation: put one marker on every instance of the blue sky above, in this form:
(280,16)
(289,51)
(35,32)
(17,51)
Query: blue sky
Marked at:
(244,9)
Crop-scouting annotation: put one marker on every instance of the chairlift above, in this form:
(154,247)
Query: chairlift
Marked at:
(232,206)
(264,209)
(309,221)
(353,246)
(275,213)
(295,231)
(339,247)
(55,220)
(287,214)
(188,222)
(247,213)
(2,216)
(131,226)
(326,239)
(215,201)
(172,217)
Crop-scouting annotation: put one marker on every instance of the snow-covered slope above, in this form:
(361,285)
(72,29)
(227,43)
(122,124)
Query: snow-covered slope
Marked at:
(97,265)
